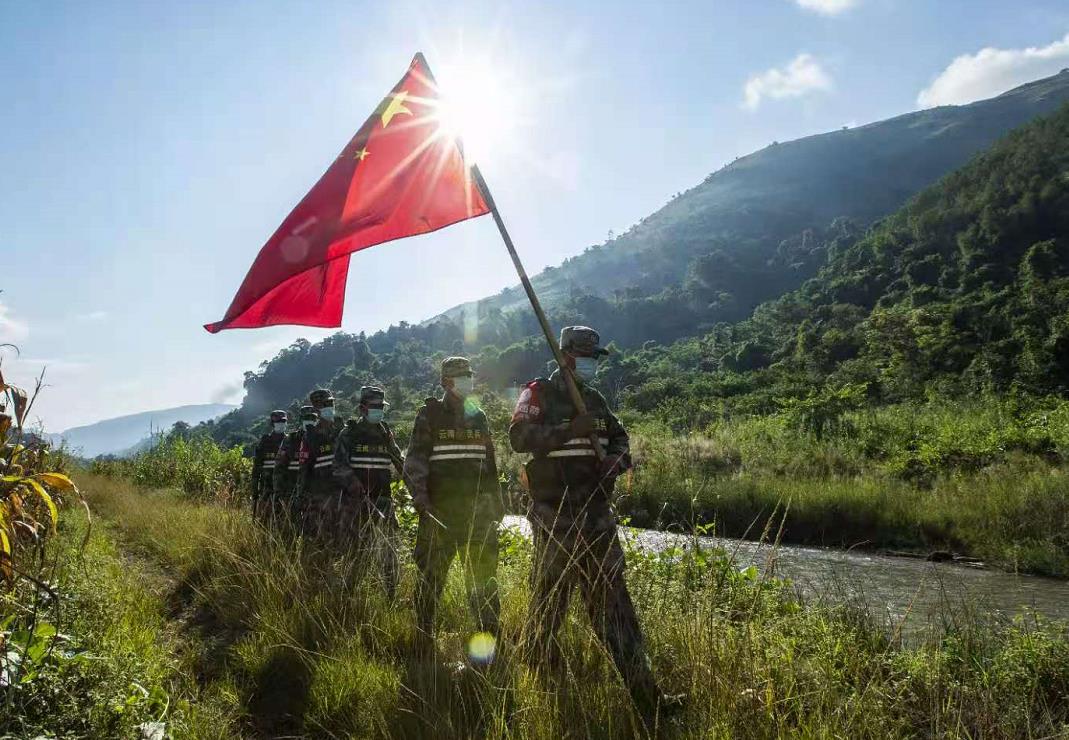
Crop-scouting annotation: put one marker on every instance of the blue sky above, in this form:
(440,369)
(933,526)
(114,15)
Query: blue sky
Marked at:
(149,149)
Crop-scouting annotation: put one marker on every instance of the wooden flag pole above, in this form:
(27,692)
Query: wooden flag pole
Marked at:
(547,330)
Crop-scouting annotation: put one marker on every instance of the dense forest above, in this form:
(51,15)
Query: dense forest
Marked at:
(962,290)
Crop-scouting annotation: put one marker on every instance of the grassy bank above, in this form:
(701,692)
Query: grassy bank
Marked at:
(279,649)
(988,479)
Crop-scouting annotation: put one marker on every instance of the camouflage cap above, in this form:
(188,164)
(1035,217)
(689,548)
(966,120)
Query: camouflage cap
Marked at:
(581,340)
(278,415)
(308,412)
(372,393)
(456,367)
(321,397)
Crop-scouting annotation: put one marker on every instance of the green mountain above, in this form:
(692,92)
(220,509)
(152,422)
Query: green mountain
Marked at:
(694,272)
(964,290)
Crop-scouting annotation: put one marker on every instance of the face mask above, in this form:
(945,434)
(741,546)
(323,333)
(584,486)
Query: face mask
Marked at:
(327,413)
(280,426)
(308,423)
(375,415)
(464,386)
(586,368)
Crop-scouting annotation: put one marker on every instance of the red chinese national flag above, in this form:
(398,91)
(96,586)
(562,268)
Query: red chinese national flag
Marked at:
(399,176)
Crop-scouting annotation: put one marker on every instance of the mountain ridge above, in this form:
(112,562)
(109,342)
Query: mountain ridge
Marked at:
(121,433)
(912,149)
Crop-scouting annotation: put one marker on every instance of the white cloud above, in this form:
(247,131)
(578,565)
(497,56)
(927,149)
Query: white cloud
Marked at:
(91,316)
(11,330)
(991,71)
(802,76)
(827,7)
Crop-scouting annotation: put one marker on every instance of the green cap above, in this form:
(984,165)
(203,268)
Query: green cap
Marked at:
(456,367)
(308,412)
(321,397)
(371,394)
(278,415)
(581,340)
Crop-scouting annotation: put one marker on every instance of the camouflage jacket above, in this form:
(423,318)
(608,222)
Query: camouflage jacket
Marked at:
(541,426)
(316,460)
(263,463)
(287,464)
(367,453)
(451,459)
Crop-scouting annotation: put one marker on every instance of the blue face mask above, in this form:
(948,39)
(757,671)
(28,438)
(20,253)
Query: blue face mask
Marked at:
(327,413)
(375,415)
(586,368)
(279,426)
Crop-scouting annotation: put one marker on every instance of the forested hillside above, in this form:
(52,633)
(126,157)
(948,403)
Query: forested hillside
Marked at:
(961,290)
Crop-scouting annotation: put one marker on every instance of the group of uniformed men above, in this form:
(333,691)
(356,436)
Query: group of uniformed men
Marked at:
(335,481)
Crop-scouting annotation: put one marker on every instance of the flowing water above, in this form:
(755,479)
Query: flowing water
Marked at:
(906,591)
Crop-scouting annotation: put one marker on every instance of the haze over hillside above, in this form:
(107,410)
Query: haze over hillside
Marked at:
(115,436)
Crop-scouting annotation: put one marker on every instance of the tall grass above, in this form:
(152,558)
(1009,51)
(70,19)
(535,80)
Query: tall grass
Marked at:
(197,465)
(301,654)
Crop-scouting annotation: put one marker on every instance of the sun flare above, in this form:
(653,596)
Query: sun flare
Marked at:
(480,105)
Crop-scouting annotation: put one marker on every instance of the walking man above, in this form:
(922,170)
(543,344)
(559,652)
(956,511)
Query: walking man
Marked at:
(287,464)
(574,527)
(364,456)
(263,467)
(317,492)
(451,472)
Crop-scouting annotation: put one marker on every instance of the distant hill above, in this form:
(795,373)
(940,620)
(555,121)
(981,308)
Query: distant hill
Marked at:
(116,436)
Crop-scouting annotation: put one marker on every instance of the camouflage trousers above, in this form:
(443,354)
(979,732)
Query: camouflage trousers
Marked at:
(583,549)
(440,539)
(365,529)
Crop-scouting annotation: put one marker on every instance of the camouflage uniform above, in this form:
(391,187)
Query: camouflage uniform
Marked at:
(364,455)
(263,469)
(451,464)
(318,493)
(288,466)
(574,527)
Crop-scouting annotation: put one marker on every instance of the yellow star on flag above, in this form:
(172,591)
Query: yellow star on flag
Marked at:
(394,107)
(361,155)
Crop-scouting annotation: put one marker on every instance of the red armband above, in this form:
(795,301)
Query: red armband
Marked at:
(528,405)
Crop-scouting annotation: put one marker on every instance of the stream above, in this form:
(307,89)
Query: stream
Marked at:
(909,590)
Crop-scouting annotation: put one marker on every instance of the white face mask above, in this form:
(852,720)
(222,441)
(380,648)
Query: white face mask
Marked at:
(280,426)
(375,415)
(327,413)
(586,368)
(464,386)
(308,423)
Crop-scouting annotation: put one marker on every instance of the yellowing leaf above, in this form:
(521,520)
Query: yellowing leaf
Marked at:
(5,557)
(43,495)
(56,480)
